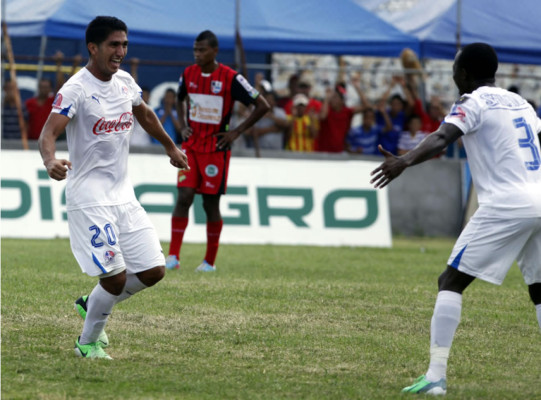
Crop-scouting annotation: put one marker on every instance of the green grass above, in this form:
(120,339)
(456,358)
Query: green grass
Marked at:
(275,322)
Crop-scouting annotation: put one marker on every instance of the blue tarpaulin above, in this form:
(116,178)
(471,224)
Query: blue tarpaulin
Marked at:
(511,27)
(302,26)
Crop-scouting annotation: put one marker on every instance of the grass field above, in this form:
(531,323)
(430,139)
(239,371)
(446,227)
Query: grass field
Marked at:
(275,322)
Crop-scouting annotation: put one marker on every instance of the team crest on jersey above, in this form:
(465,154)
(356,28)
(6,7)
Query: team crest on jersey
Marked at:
(125,90)
(216,86)
(109,256)
(458,112)
(211,170)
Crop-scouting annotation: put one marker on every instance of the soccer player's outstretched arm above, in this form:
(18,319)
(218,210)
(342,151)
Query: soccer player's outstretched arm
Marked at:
(431,146)
(53,128)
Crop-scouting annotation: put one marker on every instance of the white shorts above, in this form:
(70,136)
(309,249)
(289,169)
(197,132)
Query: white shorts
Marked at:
(488,246)
(114,238)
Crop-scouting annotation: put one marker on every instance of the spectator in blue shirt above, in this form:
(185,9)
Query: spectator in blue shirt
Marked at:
(364,139)
(167,114)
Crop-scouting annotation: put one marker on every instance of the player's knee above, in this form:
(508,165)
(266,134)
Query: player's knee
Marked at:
(453,280)
(152,276)
(535,293)
(114,284)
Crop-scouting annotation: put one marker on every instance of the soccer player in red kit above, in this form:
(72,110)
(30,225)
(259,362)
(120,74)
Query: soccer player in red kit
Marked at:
(209,90)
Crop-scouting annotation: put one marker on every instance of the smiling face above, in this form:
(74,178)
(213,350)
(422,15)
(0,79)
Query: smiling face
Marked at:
(105,58)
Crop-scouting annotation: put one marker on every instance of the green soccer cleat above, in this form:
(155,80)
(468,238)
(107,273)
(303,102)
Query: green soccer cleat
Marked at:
(422,385)
(80,307)
(90,350)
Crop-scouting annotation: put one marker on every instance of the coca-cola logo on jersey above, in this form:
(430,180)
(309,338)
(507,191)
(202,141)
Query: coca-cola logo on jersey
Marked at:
(122,124)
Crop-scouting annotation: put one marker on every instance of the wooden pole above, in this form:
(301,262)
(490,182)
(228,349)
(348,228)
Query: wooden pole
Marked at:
(13,76)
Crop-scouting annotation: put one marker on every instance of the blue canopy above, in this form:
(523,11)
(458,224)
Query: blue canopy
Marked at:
(511,27)
(302,26)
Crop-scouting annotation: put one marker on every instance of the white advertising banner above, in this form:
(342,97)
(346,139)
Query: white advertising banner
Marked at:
(269,201)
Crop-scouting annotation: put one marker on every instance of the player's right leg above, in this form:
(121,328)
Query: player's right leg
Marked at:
(93,239)
(485,249)
(187,183)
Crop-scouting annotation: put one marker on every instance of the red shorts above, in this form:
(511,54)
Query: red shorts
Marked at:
(208,172)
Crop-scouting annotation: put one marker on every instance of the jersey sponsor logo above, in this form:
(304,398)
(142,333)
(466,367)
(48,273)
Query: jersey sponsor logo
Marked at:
(458,112)
(121,125)
(206,108)
(211,170)
(246,85)
(58,101)
(216,86)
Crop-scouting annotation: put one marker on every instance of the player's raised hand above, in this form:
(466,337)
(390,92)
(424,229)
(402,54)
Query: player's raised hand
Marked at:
(388,170)
(58,169)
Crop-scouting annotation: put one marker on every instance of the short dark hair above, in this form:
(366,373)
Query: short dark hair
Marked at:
(209,36)
(479,60)
(99,29)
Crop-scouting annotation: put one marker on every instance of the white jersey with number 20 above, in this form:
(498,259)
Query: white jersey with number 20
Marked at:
(502,144)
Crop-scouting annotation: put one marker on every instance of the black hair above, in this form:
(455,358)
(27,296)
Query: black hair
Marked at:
(170,90)
(411,117)
(99,29)
(209,36)
(398,97)
(479,60)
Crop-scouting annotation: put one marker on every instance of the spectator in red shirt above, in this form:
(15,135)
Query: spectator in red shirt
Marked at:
(39,108)
(335,120)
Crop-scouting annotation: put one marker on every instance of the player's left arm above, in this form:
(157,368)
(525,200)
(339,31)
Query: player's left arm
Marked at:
(243,91)
(431,146)
(150,123)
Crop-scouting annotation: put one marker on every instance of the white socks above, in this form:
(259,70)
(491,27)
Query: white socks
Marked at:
(132,286)
(445,320)
(99,306)
(538,310)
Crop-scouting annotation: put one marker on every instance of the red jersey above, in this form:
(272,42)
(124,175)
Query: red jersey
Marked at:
(333,130)
(210,103)
(37,115)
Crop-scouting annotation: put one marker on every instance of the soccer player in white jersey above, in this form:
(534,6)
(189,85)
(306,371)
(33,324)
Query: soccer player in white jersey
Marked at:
(500,132)
(111,236)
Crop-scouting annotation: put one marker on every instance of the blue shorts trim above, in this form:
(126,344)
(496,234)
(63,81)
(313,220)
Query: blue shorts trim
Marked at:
(97,262)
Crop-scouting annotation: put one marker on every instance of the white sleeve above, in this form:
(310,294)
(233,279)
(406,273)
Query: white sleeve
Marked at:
(136,92)
(67,100)
(465,114)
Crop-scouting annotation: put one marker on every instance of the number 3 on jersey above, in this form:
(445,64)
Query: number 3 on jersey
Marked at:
(528,142)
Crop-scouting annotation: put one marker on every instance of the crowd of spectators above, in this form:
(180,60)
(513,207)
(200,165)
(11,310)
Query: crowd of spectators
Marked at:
(297,122)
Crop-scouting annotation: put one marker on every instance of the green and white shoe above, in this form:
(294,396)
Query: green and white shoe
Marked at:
(423,385)
(90,350)
(80,307)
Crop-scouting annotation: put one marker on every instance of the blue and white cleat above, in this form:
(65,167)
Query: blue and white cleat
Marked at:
(205,267)
(423,385)
(171,262)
